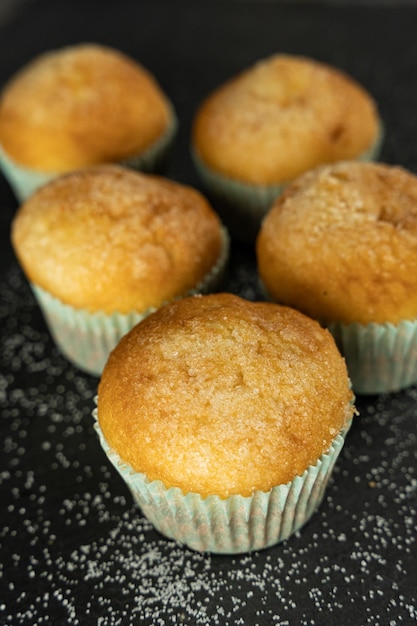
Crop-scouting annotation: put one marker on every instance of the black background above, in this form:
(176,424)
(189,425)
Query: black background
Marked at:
(73,547)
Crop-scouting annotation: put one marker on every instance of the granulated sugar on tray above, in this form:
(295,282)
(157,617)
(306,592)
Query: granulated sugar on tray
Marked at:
(74,549)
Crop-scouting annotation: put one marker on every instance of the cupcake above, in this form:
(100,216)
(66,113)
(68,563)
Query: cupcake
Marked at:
(279,118)
(104,246)
(225,418)
(340,245)
(78,106)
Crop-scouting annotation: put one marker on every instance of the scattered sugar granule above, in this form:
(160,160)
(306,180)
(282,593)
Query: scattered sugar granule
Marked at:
(74,549)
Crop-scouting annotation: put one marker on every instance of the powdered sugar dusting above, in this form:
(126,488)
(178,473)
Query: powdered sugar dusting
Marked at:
(75,549)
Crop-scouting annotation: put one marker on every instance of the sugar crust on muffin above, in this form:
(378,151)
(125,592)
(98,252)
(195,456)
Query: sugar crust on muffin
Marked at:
(220,396)
(281,117)
(81,105)
(341,244)
(109,239)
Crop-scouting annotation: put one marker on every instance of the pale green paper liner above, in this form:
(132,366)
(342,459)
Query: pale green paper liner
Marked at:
(380,358)
(24,181)
(86,339)
(235,524)
(153,160)
(245,205)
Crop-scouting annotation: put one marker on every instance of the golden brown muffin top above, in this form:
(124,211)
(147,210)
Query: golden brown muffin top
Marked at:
(341,244)
(78,106)
(218,395)
(111,239)
(281,117)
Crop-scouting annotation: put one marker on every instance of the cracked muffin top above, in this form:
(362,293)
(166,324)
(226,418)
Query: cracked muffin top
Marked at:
(217,395)
(81,105)
(283,116)
(109,239)
(341,244)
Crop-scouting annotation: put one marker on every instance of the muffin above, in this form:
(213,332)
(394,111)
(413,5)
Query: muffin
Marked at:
(78,106)
(340,245)
(105,245)
(225,418)
(274,121)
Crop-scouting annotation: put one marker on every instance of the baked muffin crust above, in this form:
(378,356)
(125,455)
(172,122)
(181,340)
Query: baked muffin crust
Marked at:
(111,239)
(79,106)
(217,395)
(341,244)
(281,117)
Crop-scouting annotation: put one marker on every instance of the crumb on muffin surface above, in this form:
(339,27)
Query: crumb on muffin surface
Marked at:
(217,395)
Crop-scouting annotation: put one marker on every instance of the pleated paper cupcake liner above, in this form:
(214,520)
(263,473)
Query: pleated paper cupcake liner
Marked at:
(374,151)
(380,358)
(243,205)
(86,339)
(154,159)
(24,181)
(232,525)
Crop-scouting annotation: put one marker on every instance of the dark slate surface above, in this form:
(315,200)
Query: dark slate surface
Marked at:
(73,547)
